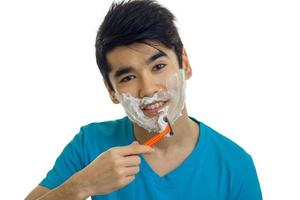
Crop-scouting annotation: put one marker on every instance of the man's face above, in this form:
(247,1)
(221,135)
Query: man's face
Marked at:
(140,71)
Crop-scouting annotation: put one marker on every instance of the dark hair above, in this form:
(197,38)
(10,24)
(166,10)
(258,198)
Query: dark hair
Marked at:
(127,22)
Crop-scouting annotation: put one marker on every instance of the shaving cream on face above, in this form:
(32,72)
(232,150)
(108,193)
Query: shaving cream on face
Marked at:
(175,94)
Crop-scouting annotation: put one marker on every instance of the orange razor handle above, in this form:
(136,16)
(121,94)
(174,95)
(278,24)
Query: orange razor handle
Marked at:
(155,139)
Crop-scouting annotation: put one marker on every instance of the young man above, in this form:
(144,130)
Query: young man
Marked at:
(144,66)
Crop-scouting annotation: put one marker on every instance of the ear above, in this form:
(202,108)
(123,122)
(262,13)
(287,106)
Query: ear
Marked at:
(112,93)
(186,65)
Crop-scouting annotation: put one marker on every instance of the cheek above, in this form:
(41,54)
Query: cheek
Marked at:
(174,86)
(127,88)
(173,83)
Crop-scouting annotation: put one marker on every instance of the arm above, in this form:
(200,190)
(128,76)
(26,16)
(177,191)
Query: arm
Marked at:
(68,190)
(37,192)
(111,170)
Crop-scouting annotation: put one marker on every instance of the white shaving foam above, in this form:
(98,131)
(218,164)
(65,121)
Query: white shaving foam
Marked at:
(175,93)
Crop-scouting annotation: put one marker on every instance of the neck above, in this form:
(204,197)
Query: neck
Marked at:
(186,132)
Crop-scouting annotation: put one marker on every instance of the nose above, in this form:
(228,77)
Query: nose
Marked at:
(148,86)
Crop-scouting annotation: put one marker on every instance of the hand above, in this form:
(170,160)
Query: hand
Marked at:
(113,169)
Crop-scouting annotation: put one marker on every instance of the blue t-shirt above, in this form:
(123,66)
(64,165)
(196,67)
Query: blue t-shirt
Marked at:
(217,168)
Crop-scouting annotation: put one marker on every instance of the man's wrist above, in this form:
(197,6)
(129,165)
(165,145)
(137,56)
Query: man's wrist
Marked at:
(75,187)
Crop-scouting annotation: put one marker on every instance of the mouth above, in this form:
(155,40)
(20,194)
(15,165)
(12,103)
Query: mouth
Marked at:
(152,110)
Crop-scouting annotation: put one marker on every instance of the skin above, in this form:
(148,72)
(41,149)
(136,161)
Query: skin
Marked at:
(145,79)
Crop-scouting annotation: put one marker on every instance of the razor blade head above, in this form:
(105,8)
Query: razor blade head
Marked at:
(167,121)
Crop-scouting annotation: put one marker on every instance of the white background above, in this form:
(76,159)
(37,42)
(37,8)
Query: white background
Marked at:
(245,56)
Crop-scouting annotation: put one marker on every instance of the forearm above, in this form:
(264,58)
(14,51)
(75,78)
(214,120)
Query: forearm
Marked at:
(69,190)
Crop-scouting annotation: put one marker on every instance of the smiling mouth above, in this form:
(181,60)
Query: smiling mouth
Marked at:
(153,109)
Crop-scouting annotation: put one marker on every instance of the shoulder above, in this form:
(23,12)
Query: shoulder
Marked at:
(225,149)
(106,131)
(236,162)
(105,128)
(97,137)
(98,133)
(104,135)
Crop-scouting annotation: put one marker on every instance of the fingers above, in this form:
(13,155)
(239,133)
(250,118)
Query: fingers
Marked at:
(134,149)
(131,171)
(130,161)
(128,179)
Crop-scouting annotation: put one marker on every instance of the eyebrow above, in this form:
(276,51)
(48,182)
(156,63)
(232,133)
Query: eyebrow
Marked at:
(156,56)
(128,69)
(123,70)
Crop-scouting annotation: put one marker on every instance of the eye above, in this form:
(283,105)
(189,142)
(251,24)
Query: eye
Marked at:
(159,66)
(127,78)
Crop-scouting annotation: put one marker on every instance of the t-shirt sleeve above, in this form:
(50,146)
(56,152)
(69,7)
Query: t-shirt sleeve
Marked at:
(248,187)
(68,163)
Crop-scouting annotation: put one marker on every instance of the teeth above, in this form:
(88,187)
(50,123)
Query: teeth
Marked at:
(154,106)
